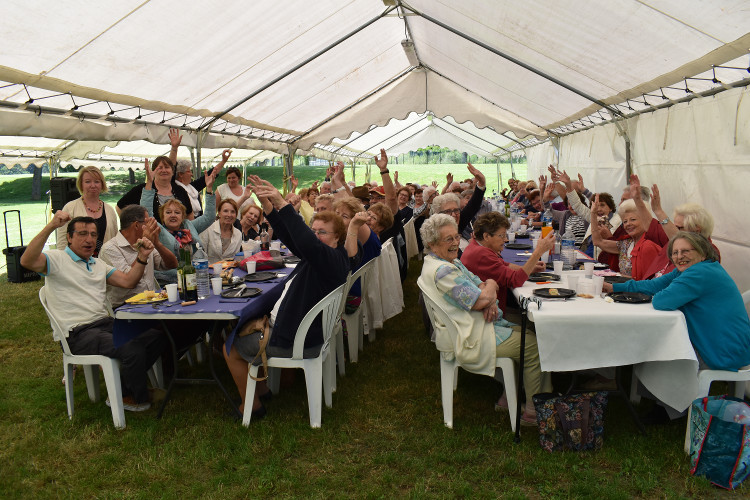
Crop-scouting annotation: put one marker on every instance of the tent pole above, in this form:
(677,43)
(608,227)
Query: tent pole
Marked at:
(354,171)
(499,175)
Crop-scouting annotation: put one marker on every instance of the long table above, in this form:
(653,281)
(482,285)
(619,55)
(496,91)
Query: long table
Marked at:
(213,308)
(579,334)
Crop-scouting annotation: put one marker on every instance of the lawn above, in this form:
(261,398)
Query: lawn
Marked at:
(383,437)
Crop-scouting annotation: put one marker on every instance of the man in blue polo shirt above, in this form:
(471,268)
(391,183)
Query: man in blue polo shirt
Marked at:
(76,285)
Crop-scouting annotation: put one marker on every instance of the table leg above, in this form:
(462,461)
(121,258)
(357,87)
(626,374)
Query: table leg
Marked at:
(216,327)
(524,321)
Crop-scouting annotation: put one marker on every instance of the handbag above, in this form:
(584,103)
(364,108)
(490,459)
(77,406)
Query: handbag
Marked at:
(267,259)
(262,325)
(572,422)
(720,440)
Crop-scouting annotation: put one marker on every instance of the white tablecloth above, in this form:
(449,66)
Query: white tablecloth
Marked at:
(583,333)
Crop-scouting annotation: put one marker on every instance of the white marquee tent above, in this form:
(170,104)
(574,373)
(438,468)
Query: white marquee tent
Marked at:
(578,83)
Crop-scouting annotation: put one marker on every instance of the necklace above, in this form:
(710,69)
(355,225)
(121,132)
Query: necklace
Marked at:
(91,210)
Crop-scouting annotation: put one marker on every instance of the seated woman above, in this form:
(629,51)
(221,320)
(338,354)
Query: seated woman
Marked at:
(715,313)
(324,265)
(635,252)
(352,212)
(253,224)
(482,256)
(223,240)
(177,229)
(687,217)
(472,303)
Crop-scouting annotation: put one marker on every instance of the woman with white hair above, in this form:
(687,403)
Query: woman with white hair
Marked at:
(484,334)
(636,253)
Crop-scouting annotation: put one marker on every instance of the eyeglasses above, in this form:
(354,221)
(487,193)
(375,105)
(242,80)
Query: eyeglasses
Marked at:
(83,234)
(321,232)
(451,239)
(452,211)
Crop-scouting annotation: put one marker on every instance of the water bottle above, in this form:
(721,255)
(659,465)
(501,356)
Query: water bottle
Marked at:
(200,263)
(568,247)
(265,240)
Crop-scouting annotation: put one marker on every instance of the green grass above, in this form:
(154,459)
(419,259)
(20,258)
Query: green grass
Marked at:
(383,437)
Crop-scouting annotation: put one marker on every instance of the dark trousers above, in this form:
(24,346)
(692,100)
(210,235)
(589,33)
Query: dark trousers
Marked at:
(136,357)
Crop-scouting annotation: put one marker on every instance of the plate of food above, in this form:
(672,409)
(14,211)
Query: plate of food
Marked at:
(517,246)
(147,297)
(537,277)
(554,293)
(630,297)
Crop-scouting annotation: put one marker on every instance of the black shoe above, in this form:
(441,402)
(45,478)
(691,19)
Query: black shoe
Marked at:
(657,416)
(259,414)
(267,397)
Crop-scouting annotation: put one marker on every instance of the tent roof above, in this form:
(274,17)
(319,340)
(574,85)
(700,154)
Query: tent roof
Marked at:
(269,75)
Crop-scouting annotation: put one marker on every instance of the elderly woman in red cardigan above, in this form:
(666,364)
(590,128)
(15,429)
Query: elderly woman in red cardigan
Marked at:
(482,256)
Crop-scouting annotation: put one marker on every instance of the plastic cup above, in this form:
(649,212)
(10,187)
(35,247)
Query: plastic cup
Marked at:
(218,268)
(534,243)
(598,285)
(546,230)
(523,228)
(557,265)
(276,245)
(545,257)
(251,267)
(586,287)
(573,283)
(511,237)
(535,235)
(172,294)
(216,285)
(588,267)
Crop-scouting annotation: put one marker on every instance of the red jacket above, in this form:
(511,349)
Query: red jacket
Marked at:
(655,233)
(486,264)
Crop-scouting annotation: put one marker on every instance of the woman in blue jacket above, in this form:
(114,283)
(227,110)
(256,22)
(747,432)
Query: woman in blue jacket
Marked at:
(715,313)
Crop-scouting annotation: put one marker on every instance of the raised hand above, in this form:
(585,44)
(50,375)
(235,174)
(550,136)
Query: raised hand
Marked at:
(449,178)
(635,188)
(266,191)
(226,154)
(395,176)
(434,184)
(565,178)
(174,137)
(314,186)
(145,247)
(382,163)
(580,183)
(60,219)
(359,219)
(210,178)
(553,173)
(479,176)
(151,229)
(295,182)
(149,173)
(655,199)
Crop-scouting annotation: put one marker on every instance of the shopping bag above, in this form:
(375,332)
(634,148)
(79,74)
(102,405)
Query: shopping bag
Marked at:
(573,422)
(720,440)
(267,259)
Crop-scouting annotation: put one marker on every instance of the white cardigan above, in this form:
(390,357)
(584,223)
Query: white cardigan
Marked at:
(211,238)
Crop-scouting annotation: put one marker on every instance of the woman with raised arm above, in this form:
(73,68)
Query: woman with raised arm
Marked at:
(160,178)
(324,265)
(233,190)
(90,184)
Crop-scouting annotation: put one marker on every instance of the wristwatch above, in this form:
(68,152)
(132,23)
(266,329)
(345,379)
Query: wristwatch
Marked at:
(664,222)
(341,188)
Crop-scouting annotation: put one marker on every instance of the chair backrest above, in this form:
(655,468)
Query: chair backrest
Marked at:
(347,285)
(57,332)
(439,317)
(329,308)
(363,272)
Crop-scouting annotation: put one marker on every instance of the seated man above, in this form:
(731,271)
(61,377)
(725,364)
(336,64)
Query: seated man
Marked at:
(121,251)
(76,290)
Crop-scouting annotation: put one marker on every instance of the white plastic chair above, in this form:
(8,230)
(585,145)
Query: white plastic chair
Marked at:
(412,249)
(355,322)
(441,319)
(317,373)
(110,368)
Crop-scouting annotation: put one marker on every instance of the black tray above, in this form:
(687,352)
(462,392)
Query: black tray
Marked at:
(261,276)
(562,293)
(630,297)
(537,277)
(241,293)
(517,246)
(520,236)
(616,279)
(291,259)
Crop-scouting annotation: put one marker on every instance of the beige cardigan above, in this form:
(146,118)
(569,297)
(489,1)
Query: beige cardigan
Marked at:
(211,238)
(76,208)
